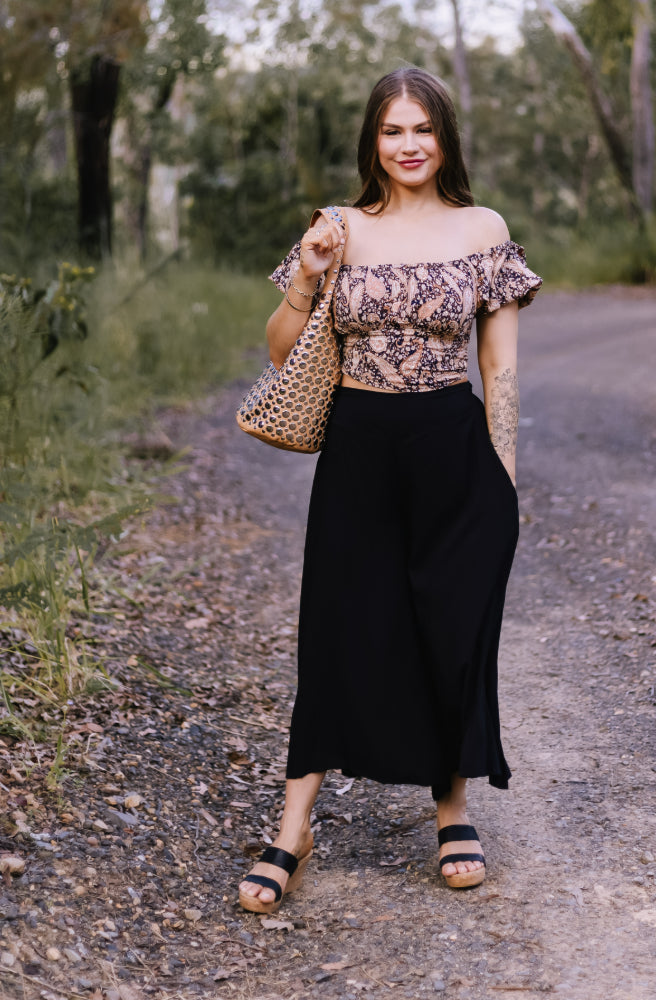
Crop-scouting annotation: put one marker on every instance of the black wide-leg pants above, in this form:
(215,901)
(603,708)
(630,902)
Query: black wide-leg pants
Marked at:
(411,534)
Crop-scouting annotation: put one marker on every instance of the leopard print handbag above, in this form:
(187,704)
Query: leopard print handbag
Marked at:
(288,407)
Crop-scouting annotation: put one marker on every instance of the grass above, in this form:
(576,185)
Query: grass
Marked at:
(82,366)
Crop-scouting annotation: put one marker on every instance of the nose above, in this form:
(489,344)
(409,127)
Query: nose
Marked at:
(410,144)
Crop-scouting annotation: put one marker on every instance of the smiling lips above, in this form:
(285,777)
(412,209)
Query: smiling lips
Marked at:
(410,164)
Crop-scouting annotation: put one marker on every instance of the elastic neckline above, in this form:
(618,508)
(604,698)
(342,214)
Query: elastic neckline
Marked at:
(443,263)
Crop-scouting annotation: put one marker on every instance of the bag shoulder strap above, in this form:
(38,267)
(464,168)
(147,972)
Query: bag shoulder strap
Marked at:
(338,215)
(335,214)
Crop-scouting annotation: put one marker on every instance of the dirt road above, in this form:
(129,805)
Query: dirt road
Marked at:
(137,897)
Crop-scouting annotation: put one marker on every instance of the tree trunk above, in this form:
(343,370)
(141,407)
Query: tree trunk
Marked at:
(461,72)
(94,89)
(641,106)
(603,109)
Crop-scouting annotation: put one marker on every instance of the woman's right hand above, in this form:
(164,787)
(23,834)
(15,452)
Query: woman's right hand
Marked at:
(318,246)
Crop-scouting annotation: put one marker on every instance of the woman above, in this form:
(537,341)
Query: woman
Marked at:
(413,516)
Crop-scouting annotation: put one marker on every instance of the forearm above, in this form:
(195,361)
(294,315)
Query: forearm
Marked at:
(286,323)
(501,392)
(318,247)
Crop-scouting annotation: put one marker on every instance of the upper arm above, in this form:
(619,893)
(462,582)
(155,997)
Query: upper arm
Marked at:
(496,332)
(496,338)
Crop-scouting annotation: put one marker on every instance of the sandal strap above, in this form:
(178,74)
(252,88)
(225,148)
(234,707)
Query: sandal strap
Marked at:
(280,858)
(268,883)
(450,859)
(457,831)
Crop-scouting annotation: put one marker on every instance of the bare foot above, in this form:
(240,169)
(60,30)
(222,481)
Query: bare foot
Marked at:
(298,845)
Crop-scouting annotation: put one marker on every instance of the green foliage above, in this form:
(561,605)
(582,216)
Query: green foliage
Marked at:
(75,368)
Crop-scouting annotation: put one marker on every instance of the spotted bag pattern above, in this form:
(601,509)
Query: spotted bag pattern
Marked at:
(289,407)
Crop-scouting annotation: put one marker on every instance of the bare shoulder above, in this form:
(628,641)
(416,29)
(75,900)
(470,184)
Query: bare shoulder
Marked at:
(357,218)
(487,226)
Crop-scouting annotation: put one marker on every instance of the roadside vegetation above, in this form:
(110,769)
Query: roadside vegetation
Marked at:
(85,362)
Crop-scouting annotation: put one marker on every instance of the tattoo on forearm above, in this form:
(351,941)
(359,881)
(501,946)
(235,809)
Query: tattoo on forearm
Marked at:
(504,413)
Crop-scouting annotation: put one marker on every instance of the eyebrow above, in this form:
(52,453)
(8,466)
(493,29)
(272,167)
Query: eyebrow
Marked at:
(391,125)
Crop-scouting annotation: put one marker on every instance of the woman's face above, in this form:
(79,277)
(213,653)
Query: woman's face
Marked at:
(407,146)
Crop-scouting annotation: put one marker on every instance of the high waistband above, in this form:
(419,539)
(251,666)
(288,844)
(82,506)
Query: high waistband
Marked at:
(407,397)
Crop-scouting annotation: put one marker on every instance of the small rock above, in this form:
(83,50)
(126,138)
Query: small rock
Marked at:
(8,909)
(79,890)
(127,819)
(7,958)
(93,841)
(100,824)
(53,954)
(439,985)
(13,864)
(193,914)
(71,955)
(646,857)
(132,801)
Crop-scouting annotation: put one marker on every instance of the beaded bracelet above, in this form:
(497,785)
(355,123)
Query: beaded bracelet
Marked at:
(296,307)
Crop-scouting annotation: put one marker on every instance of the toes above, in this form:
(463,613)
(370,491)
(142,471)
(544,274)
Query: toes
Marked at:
(253,889)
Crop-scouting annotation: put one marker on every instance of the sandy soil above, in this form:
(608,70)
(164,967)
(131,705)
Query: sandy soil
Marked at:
(128,898)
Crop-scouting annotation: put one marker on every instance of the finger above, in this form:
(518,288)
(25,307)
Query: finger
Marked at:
(324,238)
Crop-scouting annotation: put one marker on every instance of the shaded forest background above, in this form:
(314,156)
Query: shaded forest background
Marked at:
(226,123)
(158,157)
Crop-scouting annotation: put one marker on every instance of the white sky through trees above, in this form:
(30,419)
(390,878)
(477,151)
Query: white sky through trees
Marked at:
(498,19)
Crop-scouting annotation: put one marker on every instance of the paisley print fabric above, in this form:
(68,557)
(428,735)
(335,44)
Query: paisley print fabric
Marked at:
(407,326)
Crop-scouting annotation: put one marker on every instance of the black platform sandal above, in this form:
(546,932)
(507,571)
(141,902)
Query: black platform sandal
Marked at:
(281,859)
(461,880)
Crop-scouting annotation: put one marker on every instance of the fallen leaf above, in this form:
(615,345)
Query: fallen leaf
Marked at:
(193,623)
(193,915)
(222,974)
(336,966)
(271,924)
(393,864)
(208,817)
(345,788)
(384,916)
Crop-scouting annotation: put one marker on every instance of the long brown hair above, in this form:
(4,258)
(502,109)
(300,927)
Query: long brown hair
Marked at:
(417,85)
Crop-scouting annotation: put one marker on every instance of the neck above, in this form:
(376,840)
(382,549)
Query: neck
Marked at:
(410,200)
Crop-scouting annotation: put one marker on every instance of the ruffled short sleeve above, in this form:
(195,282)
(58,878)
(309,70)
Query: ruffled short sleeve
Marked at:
(287,268)
(503,277)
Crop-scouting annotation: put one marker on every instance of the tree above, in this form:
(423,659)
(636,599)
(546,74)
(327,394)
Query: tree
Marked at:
(88,42)
(637,176)
(180,47)
(100,38)
(642,106)
(461,73)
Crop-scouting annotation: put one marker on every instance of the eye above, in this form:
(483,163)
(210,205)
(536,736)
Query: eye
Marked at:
(426,129)
(391,131)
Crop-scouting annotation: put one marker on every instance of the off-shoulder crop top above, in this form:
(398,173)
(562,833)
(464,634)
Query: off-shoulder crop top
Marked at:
(406,327)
